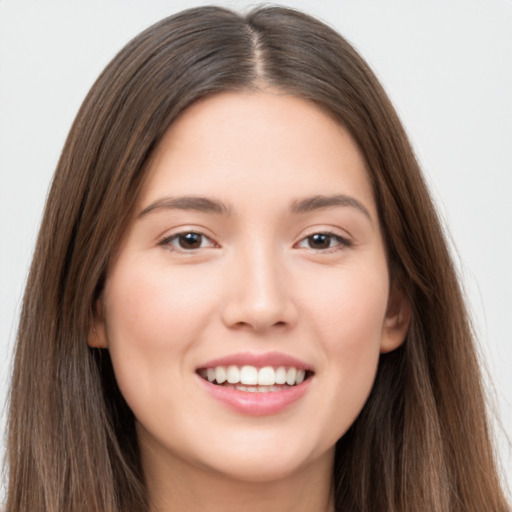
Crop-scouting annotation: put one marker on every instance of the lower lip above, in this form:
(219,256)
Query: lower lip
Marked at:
(256,404)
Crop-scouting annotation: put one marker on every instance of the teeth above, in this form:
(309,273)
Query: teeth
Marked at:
(258,389)
(290,376)
(220,374)
(233,374)
(249,375)
(253,379)
(266,376)
(280,375)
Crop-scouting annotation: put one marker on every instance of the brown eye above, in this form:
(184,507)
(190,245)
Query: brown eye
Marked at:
(190,240)
(187,241)
(323,242)
(319,241)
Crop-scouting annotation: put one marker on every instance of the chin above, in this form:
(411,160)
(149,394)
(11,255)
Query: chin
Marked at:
(265,459)
(260,469)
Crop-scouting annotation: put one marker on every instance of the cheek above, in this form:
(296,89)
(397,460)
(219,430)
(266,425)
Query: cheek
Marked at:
(348,322)
(349,309)
(153,318)
(151,303)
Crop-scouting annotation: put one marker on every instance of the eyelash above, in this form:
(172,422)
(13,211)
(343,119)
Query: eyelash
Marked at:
(179,237)
(341,242)
(171,241)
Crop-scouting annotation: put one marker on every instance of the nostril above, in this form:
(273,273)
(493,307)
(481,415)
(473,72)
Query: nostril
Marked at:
(259,324)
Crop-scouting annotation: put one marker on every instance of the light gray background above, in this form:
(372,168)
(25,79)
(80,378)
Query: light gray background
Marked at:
(447,66)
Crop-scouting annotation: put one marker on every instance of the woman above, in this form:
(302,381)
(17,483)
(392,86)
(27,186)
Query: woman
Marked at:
(241,298)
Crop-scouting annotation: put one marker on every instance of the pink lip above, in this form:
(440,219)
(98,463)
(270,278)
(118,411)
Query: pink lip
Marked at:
(259,360)
(256,404)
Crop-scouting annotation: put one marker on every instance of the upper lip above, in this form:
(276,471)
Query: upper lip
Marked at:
(274,359)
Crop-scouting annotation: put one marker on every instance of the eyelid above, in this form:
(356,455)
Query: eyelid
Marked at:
(343,241)
(167,240)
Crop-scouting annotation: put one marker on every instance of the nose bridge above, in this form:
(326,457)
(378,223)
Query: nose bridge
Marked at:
(259,297)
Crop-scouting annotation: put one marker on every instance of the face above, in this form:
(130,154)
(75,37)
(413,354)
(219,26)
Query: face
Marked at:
(250,298)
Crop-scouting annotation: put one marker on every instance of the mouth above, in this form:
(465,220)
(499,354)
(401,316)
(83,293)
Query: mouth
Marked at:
(253,379)
(256,384)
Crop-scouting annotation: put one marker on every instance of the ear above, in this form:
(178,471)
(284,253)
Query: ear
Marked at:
(397,320)
(97,337)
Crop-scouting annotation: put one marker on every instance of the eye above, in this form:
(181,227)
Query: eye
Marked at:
(323,241)
(187,241)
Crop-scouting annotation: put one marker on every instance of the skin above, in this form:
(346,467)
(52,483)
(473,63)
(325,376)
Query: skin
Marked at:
(256,282)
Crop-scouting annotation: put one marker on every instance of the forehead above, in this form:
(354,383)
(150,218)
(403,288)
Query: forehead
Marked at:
(265,145)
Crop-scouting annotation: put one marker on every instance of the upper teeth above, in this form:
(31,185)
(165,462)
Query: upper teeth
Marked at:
(250,375)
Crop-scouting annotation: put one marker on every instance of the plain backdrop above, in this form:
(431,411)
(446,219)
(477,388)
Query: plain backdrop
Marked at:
(447,66)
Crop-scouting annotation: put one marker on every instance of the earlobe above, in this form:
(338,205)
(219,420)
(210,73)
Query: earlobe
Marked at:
(396,323)
(97,337)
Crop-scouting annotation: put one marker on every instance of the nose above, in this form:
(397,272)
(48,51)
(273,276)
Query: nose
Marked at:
(259,297)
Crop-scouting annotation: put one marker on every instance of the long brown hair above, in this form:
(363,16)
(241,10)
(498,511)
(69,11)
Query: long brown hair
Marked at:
(421,441)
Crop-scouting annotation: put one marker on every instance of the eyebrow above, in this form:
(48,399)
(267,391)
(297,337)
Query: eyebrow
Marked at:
(322,202)
(207,205)
(197,203)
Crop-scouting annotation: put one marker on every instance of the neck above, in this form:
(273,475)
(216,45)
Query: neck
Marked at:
(175,485)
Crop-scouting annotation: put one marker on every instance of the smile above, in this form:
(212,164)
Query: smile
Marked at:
(256,384)
(253,379)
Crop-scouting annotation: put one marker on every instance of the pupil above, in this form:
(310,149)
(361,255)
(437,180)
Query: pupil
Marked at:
(319,241)
(190,241)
